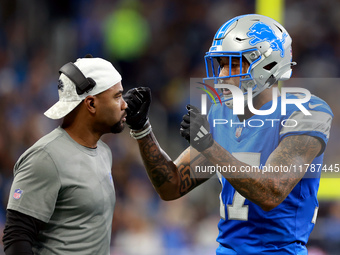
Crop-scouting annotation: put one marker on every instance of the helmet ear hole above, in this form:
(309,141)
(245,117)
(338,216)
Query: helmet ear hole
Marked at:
(270,66)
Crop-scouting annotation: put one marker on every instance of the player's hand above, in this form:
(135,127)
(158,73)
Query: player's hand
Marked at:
(195,129)
(138,100)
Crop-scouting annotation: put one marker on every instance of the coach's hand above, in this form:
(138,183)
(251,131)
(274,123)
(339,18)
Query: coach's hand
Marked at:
(138,100)
(195,129)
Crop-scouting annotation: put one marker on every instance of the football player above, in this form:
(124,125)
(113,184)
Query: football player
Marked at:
(268,202)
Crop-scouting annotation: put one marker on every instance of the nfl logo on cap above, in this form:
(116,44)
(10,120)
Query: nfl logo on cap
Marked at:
(17,194)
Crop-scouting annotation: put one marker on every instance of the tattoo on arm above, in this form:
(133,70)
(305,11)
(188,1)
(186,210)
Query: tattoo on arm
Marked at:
(188,179)
(270,187)
(169,179)
(156,163)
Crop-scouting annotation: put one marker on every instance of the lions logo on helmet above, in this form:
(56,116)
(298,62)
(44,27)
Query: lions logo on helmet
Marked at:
(262,32)
(257,39)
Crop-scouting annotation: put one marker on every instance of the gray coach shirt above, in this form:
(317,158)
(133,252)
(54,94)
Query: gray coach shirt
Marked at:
(69,187)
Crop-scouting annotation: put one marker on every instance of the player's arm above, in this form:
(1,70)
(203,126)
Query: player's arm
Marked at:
(171,179)
(267,189)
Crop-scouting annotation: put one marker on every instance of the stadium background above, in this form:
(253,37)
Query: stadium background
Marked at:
(160,44)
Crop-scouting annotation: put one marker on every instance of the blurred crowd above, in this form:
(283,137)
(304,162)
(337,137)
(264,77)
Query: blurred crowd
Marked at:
(160,44)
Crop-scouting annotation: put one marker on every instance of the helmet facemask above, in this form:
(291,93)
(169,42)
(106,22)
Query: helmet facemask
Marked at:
(240,59)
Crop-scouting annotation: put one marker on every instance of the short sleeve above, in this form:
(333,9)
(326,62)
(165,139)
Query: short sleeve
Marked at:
(318,124)
(35,187)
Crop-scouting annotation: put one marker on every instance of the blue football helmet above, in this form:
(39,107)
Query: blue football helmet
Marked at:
(257,39)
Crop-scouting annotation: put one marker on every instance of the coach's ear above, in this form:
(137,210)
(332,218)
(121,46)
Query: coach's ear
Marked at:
(89,102)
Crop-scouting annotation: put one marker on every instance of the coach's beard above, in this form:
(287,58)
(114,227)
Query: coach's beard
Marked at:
(118,127)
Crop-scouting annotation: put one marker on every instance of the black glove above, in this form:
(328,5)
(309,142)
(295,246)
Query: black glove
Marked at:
(195,129)
(138,100)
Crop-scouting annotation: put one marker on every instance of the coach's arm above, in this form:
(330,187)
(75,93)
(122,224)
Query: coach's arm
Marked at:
(171,179)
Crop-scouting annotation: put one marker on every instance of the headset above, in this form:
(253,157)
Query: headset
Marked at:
(82,83)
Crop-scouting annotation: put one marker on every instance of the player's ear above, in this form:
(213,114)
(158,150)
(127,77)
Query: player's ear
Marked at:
(90,104)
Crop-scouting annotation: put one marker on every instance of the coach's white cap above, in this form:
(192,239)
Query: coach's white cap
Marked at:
(100,70)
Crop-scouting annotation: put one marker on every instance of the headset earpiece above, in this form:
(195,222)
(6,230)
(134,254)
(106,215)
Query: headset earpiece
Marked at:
(82,83)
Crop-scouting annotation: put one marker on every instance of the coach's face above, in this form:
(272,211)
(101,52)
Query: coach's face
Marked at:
(110,109)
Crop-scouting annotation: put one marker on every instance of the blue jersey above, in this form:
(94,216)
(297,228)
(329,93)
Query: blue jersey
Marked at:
(244,227)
